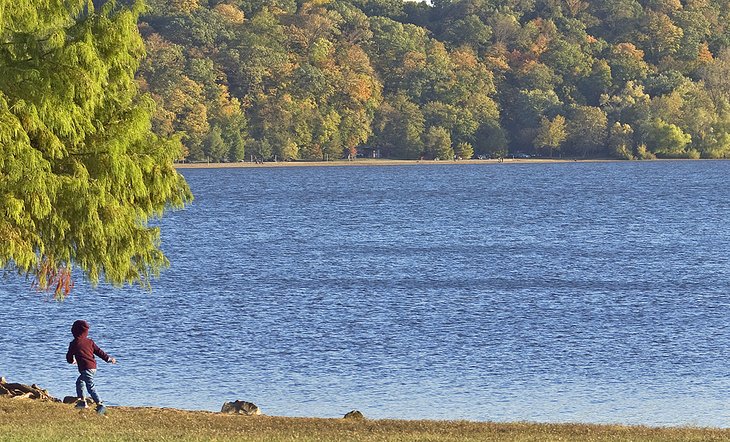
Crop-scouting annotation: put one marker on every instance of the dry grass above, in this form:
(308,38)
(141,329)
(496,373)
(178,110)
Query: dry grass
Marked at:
(23,420)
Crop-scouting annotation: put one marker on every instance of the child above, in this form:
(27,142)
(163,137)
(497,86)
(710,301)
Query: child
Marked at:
(81,351)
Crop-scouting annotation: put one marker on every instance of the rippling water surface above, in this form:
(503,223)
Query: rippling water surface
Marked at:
(562,292)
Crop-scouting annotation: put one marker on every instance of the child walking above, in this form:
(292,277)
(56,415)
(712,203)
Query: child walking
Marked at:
(81,351)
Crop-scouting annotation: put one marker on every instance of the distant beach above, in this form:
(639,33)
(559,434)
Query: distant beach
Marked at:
(382,162)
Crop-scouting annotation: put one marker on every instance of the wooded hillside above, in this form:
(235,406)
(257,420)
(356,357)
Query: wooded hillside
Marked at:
(315,79)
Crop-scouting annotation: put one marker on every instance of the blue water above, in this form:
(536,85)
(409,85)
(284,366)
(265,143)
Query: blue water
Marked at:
(562,292)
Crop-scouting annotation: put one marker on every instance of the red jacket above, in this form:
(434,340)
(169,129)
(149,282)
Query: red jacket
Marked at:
(83,349)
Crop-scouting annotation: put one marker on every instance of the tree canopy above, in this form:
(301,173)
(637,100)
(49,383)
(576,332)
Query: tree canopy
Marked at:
(81,171)
(315,79)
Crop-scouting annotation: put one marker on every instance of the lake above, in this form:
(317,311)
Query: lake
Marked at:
(583,292)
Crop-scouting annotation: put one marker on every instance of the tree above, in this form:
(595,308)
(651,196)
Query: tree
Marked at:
(587,130)
(399,127)
(620,140)
(627,62)
(551,134)
(667,140)
(437,143)
(81,173)
(213,145)
(464,151)
(662,36)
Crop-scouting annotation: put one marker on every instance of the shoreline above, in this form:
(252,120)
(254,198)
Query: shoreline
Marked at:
(35,420)
(367,162)
(387,162)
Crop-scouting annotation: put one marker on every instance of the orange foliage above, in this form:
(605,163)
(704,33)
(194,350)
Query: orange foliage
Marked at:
(704,55)
(629,49)
(414,61)
(464,58)
(540,45)
(360,88)
(54,278)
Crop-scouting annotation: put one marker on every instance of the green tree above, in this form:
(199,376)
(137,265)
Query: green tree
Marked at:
(587,130)
(620,140)
(81,173)
(668,140)
(399,127)
(551,134)
(437,143)
(213,145)
(465,151)
(627,62)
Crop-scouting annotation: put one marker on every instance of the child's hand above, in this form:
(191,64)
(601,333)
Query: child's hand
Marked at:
(113,360)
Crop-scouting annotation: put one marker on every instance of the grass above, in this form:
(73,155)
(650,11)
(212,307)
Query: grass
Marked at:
(25,420)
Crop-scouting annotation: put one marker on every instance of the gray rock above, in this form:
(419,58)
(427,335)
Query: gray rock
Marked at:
(354,414)
(241,407)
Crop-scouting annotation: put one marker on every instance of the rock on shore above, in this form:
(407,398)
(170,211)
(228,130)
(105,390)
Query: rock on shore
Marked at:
(354,414)
(241,407)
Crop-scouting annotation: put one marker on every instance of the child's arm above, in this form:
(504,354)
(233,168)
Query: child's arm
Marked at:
(102,354)
(69,354)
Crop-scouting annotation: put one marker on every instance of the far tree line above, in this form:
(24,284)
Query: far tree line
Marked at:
(316,79)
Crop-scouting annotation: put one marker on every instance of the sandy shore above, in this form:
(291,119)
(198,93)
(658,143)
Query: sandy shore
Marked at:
(380,162)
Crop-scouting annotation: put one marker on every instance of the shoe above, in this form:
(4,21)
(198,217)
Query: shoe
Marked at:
(101,409)
(81,404)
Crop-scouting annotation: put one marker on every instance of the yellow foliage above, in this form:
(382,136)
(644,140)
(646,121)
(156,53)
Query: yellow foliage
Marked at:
(230,13)
(185,5)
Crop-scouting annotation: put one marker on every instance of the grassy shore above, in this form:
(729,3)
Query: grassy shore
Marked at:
(25,420)
(378,162)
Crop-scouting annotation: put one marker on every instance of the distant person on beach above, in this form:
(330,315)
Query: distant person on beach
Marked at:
(81,352)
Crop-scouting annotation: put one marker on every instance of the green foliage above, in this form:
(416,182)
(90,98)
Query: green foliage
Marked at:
(587,130)
(465,151)
(643,153)
(551,134)
(81,172)
(621,141)
(399,127)
(437,143)
(669,141)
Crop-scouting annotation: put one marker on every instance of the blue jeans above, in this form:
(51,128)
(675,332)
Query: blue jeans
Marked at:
(87,377)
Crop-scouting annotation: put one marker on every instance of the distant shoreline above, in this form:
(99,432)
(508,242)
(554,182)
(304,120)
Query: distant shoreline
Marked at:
(387,162)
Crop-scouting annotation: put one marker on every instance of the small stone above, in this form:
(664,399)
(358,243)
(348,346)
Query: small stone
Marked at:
(241,407)
(354,414)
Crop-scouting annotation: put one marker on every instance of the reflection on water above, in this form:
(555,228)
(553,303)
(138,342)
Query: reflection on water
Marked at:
(565,292)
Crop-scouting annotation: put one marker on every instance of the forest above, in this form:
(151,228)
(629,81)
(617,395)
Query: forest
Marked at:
(322,79)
